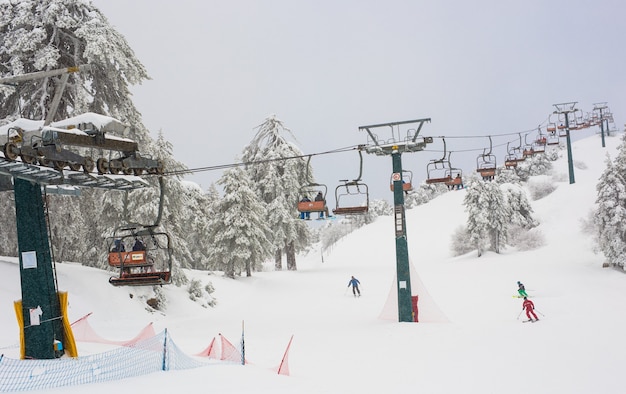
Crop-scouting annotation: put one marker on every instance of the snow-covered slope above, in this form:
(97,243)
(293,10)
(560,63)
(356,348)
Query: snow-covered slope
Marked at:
(340,345)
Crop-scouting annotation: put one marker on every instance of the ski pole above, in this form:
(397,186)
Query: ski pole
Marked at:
(539,313)
(520,314)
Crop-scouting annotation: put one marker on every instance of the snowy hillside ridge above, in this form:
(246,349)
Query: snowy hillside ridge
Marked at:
(339,342)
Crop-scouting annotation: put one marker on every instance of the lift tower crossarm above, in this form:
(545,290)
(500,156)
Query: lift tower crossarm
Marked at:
(43,74)
(410,144)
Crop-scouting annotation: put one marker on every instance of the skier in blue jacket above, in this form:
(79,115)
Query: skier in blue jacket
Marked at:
(354,282)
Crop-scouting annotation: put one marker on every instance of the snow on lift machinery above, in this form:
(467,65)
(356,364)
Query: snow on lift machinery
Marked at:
(144,263)
(486,163)
(58,147)
(407,181)
(438,170)
(310,190)
(349,195)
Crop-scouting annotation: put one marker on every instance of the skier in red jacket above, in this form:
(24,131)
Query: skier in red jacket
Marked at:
(529,306)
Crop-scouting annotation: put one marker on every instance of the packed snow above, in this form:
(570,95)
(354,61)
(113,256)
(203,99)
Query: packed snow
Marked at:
(470,338)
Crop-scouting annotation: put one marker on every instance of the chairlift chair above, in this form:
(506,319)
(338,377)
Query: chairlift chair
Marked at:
(352,198)
(147,266)
(407,181)
(438,170)
(486,163)
(552,138)
(349,195)
(310,191)
(455,178)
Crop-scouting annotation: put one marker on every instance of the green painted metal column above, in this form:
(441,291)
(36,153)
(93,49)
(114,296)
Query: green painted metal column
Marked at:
(40,302)
(405,310)
(570,159)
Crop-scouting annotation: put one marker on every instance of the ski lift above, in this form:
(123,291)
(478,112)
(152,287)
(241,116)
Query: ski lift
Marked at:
(352,197)
(528,147)
(142,254)
(407,181)
(552,139)
(539,146)
(310,191)
(438,170)
(148,264)
(513,156)
(486,163)
(455,178)
(551,125)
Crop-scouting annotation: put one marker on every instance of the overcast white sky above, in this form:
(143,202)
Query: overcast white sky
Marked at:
(325,68)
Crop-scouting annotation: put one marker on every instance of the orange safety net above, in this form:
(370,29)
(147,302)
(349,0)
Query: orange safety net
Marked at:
(283,368)
(83,332)
(210,351)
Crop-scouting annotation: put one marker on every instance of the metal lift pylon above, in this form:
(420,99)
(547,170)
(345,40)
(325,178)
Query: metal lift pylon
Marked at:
(398,144)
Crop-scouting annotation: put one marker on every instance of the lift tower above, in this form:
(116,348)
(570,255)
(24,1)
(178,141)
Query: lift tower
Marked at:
(40,310)
(600,107)
(566,109)
(400,142)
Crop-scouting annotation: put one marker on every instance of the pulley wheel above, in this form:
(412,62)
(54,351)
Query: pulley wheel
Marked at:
(88,165)
(103,165)
(11,151)
(59,165)
(28,159)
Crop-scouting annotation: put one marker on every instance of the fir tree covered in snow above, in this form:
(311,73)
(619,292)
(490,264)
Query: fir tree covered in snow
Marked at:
(488,215)
(278,175)
(519,205)
(610,218)
(239,229)
(51,34)
(39,35)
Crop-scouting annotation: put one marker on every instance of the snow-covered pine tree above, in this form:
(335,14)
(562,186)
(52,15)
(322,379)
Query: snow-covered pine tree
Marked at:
(520,208)
(610,218)
(477,220)
(488,214)
(239,231)
(424,193)
(278,182)
(51,34)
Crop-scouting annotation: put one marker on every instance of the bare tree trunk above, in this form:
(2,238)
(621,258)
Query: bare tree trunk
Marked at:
(248,270)
(291,257)
(230,269)
(278,260)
